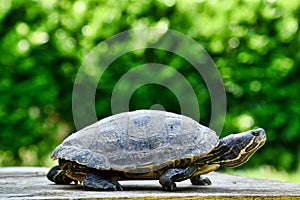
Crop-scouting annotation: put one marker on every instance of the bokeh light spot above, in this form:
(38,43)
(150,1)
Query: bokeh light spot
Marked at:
(244,122)
(23,46)
(255,86)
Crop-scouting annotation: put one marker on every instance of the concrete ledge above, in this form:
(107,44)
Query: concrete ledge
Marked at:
(31,183)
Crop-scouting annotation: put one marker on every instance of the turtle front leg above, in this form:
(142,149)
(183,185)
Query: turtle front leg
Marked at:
(59,176)
(98,182)
(198,179)
(168,179)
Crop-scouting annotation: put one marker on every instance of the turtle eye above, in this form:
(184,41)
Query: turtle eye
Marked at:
(255,133)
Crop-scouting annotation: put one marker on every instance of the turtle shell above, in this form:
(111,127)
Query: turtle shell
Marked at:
(137,139)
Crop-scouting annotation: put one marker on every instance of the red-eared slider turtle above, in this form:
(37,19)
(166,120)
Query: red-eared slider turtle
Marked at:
(148,144)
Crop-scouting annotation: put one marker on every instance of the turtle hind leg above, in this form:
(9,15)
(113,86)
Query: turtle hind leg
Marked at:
(200,180)
(59,176)
(97,182)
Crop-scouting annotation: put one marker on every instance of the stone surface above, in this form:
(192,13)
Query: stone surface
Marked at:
(31,183)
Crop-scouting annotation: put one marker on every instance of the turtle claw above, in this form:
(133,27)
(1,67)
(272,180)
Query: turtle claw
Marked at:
(171,187)
(112,186)
(117,186)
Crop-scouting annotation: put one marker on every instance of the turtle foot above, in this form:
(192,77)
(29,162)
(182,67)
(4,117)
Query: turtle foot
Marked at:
(97,182)
(199,180)
(170,187)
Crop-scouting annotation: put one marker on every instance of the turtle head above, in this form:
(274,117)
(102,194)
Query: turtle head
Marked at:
(236,149)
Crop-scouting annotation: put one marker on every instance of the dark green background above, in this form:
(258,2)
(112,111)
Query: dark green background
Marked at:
(253,43)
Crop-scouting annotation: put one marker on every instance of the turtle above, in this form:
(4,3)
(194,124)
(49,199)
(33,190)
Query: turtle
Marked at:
(148,145)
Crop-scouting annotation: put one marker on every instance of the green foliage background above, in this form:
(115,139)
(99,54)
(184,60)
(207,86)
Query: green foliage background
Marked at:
(254,44)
